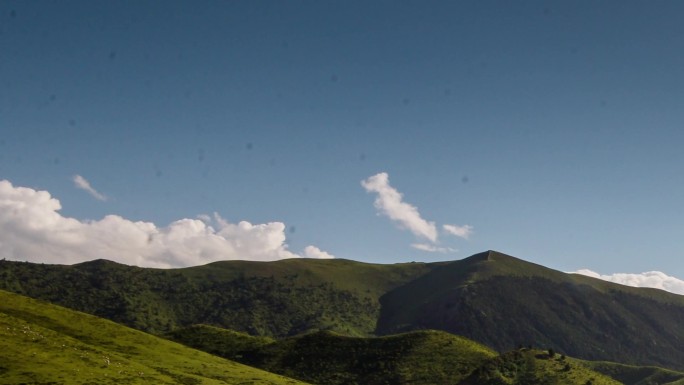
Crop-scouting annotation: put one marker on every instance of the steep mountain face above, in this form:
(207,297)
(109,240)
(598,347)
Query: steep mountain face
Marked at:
(491,298)
(504,302)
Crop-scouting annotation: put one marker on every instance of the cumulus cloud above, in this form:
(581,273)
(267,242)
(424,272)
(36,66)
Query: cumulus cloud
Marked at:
(315,252)
(32,229)
(81,183)
(389,202)
(460,231)
(432,248)
(653,279)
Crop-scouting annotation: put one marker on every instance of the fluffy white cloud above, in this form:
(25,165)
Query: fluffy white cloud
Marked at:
(433,248)
(654,279)
(389,202)
(460,231)
(315,252)
(83,184)
(32,229)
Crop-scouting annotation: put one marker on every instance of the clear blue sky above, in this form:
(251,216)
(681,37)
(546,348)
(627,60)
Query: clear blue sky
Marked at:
(553,128)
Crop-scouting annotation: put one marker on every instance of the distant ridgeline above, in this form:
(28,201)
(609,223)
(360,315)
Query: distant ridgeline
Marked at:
(495,299)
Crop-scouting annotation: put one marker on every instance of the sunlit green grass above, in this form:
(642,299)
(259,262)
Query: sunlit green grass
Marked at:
(43,343)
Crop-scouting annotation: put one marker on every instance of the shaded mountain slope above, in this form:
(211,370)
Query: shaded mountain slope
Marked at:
(503,302)
(42,343)
(424,357)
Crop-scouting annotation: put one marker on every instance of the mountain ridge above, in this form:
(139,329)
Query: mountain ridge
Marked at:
(493,298)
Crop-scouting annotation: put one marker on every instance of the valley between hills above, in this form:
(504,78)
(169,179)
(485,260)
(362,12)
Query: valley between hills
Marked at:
(487,319)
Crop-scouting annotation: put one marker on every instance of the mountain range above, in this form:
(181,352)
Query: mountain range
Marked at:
(503,303)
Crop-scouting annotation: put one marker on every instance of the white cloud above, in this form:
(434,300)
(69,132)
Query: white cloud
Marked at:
(653,279)
(81,183)
(433,248)
(389,202)
(32,229)
(460,231)
(315,252)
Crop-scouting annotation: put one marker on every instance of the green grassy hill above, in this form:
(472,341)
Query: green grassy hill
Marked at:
(45,344)
(425,357)
(530,366)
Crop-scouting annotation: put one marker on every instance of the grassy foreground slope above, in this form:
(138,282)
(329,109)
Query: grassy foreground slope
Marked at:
(44,343)
(424,357)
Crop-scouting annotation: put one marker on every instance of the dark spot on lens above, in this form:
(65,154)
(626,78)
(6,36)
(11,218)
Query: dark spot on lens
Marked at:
(112,55)
(249,146)
(292,229)
(465,179)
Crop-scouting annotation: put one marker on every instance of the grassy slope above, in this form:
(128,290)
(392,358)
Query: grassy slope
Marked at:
(280,298)
(637,375)
(503,302)
(528,366)
(43,343)
(426,357)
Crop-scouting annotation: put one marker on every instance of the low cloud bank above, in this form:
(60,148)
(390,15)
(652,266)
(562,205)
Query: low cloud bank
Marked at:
(653,279)
(32,229)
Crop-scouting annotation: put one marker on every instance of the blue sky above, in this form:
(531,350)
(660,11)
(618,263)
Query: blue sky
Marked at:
(552,128)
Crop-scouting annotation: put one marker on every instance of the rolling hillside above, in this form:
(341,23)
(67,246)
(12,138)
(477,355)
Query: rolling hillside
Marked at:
(424,357)
(42,343)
